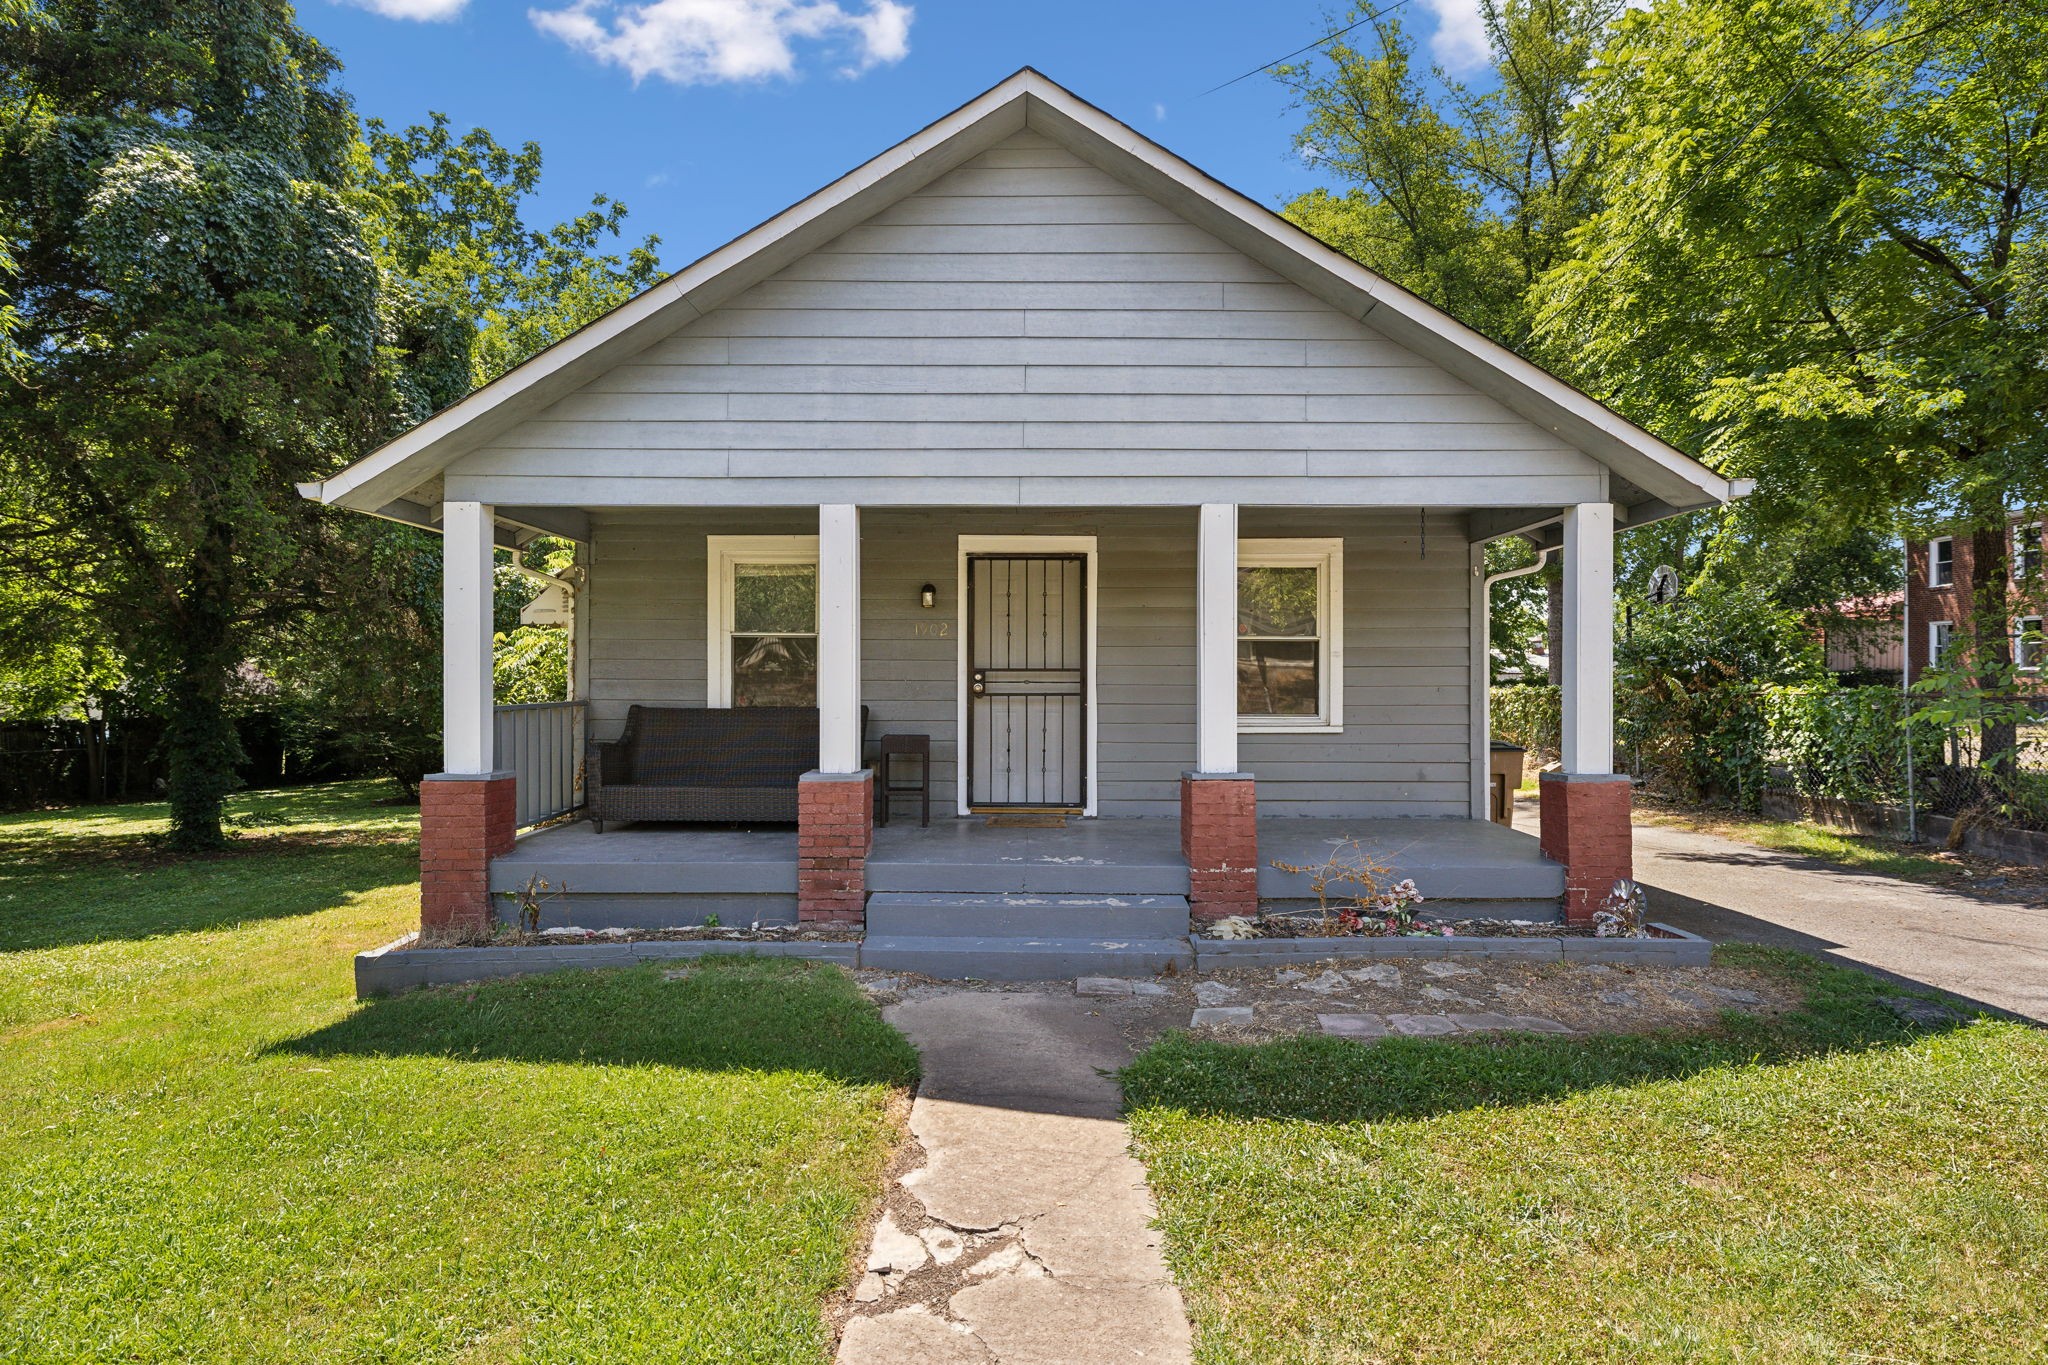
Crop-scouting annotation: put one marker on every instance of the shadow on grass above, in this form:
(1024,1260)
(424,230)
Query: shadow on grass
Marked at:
(1334,1081)
(44,906)
(722,1014)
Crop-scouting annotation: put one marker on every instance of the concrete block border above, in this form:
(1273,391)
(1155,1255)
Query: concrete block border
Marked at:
(398,966)
(1667,947)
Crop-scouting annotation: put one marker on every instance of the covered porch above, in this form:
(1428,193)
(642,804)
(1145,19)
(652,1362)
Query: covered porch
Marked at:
(1171,789)
(664,876)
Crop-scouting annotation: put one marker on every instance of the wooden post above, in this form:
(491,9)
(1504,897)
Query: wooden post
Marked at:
(1216,640)
(839,638)
(467,592)
(1588,693)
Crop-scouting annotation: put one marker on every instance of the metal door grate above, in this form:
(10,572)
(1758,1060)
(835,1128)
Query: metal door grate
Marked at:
(1027,723)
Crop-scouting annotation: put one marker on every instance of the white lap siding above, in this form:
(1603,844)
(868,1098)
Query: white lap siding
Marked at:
(1026,331)
(1403,750)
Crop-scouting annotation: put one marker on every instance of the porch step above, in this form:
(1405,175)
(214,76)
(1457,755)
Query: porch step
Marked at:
(943,915)
(965,957)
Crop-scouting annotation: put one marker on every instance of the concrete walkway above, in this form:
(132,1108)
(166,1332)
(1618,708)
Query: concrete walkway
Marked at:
(1026,1235)
(1987,952)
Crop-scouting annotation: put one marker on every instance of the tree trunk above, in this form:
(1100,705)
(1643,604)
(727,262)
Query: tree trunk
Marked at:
(1991,655)
(199,736)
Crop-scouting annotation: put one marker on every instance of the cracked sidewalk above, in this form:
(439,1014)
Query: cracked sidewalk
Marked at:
(1026,1234)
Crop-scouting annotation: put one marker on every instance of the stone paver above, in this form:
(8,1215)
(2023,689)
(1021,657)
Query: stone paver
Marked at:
(1447,969)
(1211,1015)
(1116,985)
(1213,992)
(1482,1022)
(1353,1025)
(1421,1025)
(1531,1023)
(1028,1170)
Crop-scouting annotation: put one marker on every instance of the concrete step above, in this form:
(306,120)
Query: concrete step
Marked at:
(1024,959)
(931,914)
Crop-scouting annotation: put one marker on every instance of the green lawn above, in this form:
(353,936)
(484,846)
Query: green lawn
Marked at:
(211,1152)
(1831,1186)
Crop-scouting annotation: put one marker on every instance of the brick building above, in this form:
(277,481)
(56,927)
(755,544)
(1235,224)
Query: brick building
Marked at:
(1941,593)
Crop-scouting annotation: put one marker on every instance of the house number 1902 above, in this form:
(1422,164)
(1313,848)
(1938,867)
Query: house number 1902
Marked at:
(933,629)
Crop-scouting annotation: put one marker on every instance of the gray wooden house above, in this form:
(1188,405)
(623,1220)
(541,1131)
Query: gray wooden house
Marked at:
(1144,506)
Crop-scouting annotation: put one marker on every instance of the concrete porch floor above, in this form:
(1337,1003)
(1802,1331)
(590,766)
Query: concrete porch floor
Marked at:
(648,875)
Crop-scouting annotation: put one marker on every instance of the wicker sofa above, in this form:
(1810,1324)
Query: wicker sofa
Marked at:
(698,764)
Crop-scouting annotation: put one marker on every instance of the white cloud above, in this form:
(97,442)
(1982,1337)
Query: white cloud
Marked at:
(1460,39)
(1159,112)
(427,10)
(702,42)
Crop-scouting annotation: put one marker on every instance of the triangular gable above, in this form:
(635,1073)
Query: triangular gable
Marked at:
(1664,479)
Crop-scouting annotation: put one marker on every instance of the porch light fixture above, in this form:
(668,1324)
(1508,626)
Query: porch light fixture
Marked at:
(927,597)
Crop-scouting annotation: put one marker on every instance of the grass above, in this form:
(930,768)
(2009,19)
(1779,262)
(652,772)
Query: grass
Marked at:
(212,1152)
(1864,853)
(1830,1185)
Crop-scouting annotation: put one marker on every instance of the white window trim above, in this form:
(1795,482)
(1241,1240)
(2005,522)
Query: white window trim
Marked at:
(2025,538)
(721,555)
(1023,545)
(1325,554)
(1934,559)
(2028,626)
(1934,649)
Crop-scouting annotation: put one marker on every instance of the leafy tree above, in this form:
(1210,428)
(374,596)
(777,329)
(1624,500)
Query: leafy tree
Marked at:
(1819,259)
(445,212)
(1464,194)
(198,325)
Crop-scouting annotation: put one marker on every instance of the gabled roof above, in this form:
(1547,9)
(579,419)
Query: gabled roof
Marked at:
(1668,479)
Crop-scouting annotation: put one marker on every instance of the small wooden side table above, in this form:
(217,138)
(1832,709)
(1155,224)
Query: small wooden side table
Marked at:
(886,785)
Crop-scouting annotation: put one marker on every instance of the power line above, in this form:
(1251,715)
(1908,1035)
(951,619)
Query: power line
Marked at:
(1326,38)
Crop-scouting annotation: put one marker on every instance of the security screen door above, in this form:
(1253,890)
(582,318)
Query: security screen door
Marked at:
(1027,682)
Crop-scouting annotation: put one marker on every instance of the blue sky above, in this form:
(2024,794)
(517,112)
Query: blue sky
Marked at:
(707,116)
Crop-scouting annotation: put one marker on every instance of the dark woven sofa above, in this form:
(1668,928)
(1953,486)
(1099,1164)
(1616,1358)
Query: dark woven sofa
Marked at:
(698,764)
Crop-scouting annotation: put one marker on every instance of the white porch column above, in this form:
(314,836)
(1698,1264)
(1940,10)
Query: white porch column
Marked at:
(1216,640)
(467,547)
(839,638)
(1588,694)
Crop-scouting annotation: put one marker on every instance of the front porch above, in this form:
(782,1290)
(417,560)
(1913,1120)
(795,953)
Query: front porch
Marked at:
(1137,698)
(991,875)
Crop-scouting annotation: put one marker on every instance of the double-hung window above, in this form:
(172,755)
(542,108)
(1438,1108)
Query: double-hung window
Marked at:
(2028,644)
(2026,551)
(1290,625)
(1941,561)
(1940,635)
(763,616)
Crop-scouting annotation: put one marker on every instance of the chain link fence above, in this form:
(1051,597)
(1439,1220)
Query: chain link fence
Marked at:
(1856,746)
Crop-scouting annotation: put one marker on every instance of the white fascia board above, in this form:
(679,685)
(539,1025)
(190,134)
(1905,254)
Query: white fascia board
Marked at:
(680,299)
(1266,237)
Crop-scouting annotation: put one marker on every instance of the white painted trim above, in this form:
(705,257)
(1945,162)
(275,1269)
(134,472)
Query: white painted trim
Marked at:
(1025,99)
(1023,545)
(1588,700)
(839,737)
(1932,559)
(2027,644)
(721,554)
(1481,618)
(1325,554)
(1216,552)
(468,557)
(1934,646)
